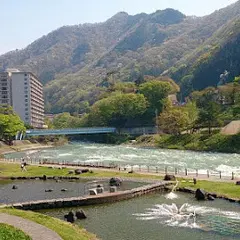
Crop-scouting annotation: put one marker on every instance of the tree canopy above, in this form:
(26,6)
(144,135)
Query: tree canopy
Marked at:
(117,110)
(10,124)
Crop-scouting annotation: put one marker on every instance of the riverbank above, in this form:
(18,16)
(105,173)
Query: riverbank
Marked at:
(25,145)
(194,142)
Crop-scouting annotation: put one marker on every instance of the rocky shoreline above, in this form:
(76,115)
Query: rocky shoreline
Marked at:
(214,195)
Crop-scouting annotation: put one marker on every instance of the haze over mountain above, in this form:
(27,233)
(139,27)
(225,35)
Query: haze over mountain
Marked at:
(72,60)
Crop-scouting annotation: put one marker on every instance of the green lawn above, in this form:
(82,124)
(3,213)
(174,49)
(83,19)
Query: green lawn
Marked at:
(228,189)
(66,230)
(14,170)
(8,232)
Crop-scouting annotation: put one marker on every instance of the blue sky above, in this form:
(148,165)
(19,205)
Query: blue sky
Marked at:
(23,21)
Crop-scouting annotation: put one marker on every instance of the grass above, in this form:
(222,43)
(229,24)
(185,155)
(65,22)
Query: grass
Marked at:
(227,189)
(14,170)
(8,232)
(66,230)
(200,142)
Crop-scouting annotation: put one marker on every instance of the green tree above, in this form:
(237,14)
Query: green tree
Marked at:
(209,116)
(173,120)
(193,114)
(117,110)
(10,124)
(155,92)
(65,120)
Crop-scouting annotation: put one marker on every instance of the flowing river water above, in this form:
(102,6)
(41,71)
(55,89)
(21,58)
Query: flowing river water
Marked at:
(152,217)
(127,155)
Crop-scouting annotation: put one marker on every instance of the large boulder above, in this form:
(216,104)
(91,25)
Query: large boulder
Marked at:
(115,182)
(70,217)
(48,190)
(80,214)
(200,194)
(78,171)
(86,170)
(210,197)
(168,177)
(238,183)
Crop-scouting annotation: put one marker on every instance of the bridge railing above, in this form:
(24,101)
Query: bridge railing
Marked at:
(35,132)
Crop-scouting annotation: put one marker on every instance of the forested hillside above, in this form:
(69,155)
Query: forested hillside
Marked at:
(73,61)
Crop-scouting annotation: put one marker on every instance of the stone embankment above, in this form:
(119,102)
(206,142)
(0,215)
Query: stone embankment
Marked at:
(91,200)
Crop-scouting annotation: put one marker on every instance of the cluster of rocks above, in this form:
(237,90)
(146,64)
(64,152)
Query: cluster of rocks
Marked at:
(44,178)
(70,217)
(79,171)
(51,190)
(115,182)
(168,177)
(202,195)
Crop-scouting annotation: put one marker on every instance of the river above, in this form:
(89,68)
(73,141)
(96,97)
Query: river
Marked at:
(128,155)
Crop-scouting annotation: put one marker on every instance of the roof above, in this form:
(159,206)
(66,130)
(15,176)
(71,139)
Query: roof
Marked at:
(232,128)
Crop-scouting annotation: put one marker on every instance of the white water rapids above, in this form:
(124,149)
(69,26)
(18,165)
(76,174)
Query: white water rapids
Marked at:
(141,158)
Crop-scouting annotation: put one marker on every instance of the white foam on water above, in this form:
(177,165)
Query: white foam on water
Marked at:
(65,154)
(227,169)
(184,216)
(31,152)
(90,147)
(48,157)
(130,156)
(171,196)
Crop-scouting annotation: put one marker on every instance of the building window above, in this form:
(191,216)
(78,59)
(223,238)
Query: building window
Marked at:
(4,101)
(26,96)
(4,92)
(4,88)
(4,84)
(25,83)
(26,100)
(25,75)
(26,88)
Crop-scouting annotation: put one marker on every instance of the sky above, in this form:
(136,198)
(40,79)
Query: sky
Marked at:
(24,21)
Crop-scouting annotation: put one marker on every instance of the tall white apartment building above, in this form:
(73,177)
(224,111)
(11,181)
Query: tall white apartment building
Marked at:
(23,91)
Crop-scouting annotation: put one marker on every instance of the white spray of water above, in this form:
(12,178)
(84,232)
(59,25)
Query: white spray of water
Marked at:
(172,195)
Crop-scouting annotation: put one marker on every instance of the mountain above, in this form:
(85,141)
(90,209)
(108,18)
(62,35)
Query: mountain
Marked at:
(72,60)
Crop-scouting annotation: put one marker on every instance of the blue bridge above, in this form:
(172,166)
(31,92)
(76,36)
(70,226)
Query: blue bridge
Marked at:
(70,131)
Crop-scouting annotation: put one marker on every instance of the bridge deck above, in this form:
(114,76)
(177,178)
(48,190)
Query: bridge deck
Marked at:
(70,131)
